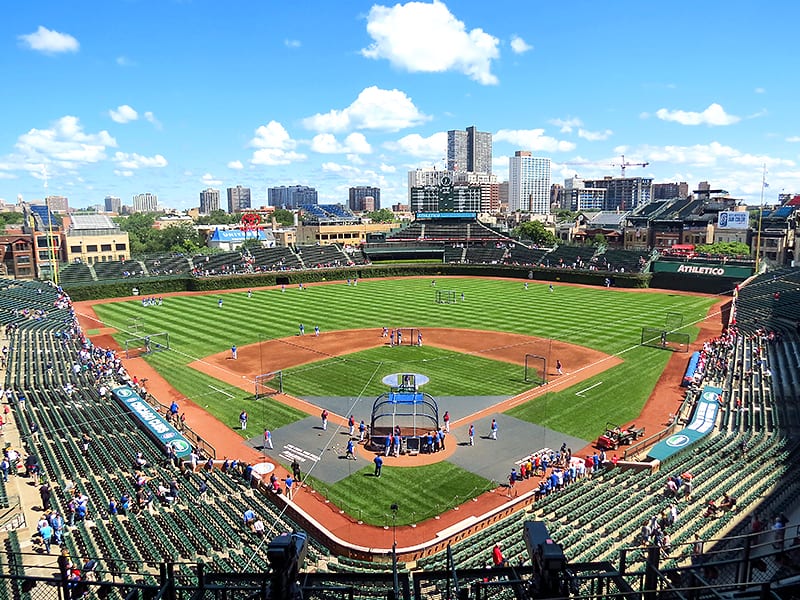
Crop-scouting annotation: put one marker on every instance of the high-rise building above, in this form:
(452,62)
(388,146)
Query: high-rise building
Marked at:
(624,193)
(469,150)
(146,202)
(209,201)
(238,199)
(58,204)
(113,204)
(576,196)
(668,191)
(358,195)
(292,196)
(528,183)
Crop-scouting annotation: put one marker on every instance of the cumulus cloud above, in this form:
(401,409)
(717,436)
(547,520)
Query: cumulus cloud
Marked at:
(123,173)
(209,179)
(594,136)
(519,46)
(49,41)
(151,118)
(714,115)
(137,161)
(274,146)
(388,168)
(326,143)
(123,114)
(533,139)
(566,125)
(423,37)
(64,142)
(375,109)
(431,147)
(236,165)
(332,167)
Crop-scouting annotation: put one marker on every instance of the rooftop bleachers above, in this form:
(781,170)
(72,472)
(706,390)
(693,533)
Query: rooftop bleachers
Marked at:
(220,263)
(414,231)
(489,255)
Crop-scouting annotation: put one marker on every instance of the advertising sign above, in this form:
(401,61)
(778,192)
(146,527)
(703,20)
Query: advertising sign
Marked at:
(155,425)
(728,219)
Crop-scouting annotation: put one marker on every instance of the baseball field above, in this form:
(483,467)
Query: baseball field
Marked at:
(607,321)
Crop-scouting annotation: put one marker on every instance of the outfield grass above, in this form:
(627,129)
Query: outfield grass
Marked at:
(420,492)
(450,373)
(608,320)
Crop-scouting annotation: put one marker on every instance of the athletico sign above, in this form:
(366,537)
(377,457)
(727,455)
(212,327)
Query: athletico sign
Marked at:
(734,272)
(154,423)
(703,419)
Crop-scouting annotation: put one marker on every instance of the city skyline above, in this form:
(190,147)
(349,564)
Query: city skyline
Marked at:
(341,96)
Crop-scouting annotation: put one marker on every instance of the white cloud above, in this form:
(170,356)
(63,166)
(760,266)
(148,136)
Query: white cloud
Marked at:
(375,108)
(431,147)
(151,118)
(326,143)
(137,161)
(332,167)
(758,160)
(713,115)
(388,168)
(124,61)
(4,175)
(533,139)
(422,37)
(236,164)
(519,46)
(123,114)
(275,156)
(793,139)
(594,136)
(209,179)
(566,125)
(760,90)
(292,43)
(120,173)
(64,142)
(274,146)
(50,42)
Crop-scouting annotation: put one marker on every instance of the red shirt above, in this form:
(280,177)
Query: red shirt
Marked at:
(497,556)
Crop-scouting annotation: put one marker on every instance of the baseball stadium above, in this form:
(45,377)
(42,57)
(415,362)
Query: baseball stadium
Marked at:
(501,422)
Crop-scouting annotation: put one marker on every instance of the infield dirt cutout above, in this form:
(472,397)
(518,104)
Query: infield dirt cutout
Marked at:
(578,362)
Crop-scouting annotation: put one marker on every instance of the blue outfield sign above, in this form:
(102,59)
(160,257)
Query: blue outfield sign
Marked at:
(703,421)
(153,423)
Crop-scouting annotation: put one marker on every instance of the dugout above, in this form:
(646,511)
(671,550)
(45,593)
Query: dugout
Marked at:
(406,409)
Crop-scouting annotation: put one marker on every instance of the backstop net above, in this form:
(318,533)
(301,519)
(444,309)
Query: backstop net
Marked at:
(535,369)
(654,337)
(446,297)
(145,344)
(268,384)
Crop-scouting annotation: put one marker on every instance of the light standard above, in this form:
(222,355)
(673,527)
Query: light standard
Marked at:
(394,508)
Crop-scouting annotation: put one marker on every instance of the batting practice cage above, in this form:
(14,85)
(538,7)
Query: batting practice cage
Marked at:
(406,410)
(655,337)
(446,297)
(145,344)
(535,369)
(673,321)
(409,336)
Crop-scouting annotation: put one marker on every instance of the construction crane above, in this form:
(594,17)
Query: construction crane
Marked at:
(625,164)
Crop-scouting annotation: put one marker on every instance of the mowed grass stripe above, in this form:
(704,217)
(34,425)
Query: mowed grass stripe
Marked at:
(419,492)
(451,373)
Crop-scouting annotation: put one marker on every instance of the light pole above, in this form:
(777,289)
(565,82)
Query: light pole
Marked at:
(394,508)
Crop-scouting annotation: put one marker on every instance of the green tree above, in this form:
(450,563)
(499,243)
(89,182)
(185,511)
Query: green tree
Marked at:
(565,215)
(283,217)
(724,249)
(535,233)
(140,231)
(176,238)
(599,239)
(252,242)
(383,215)
(218,217)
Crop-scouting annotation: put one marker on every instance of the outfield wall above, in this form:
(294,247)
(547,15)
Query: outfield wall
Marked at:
(155,286)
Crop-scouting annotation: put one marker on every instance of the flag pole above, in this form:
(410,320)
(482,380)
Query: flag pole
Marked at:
(760,215)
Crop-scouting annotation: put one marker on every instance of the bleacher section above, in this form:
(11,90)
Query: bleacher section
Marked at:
(223,263)
(117,269)
(568,257)
(314,257)
(621,261)
(489,255)
(274,259)
(171,264)
(523,255)
(76,273)
(327,212)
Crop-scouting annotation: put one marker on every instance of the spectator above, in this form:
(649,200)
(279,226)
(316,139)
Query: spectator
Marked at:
(498,560)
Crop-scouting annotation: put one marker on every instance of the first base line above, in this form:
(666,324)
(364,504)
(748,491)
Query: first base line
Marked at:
(580,393)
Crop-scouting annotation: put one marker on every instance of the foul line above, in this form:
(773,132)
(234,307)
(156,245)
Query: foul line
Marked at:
(580,393)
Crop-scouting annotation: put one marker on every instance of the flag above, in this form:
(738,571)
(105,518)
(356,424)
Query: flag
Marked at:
(766,185)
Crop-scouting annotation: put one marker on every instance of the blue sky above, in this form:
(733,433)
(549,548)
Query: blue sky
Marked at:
(171,97)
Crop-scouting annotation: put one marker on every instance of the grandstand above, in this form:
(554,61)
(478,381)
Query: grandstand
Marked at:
(751,454)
